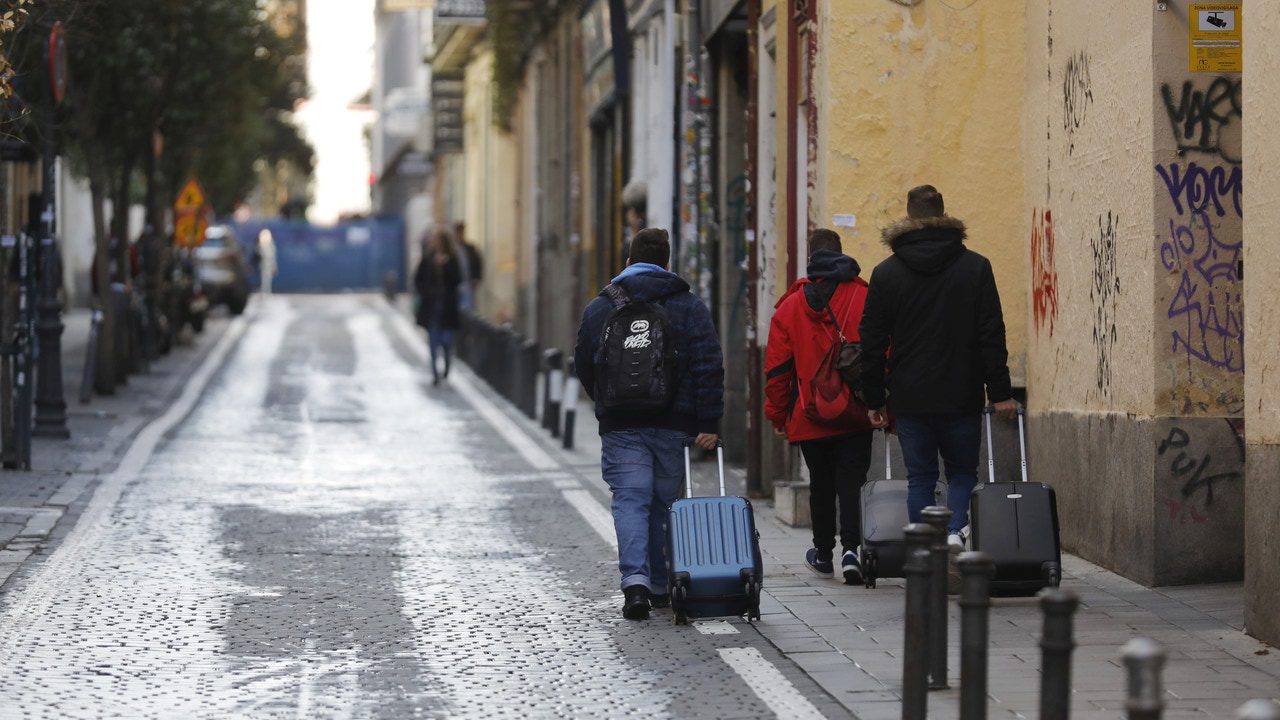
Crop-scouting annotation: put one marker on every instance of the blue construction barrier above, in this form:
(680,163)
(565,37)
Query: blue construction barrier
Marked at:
(355,255)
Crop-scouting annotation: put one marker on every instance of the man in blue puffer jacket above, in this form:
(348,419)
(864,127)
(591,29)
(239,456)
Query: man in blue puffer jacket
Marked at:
(642,456)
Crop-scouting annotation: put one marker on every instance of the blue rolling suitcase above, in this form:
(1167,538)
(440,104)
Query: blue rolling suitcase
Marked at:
(714,551)
(1016,523)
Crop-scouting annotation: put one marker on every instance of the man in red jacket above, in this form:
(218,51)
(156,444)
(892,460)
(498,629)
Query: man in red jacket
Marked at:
(803,331)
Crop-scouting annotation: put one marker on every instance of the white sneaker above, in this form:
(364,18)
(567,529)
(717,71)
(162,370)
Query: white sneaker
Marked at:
(955,543)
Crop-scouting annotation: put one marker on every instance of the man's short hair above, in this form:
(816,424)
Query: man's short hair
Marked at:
(824,239)
(651,245)
(924,202)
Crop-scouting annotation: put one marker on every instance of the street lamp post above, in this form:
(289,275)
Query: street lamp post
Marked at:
(51,407)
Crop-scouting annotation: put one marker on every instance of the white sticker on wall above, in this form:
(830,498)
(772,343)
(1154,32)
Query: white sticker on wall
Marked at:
(848,221)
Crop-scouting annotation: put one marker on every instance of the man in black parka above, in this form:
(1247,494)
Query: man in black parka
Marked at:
(934,309)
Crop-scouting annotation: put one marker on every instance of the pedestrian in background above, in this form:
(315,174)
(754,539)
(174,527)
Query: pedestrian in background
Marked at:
(436,281)
(635,203)
(472,267)
(266,260)
(934,307)
(808,321)
(665,338)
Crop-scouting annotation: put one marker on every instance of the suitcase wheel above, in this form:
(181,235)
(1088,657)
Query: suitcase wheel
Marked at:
(868,563)
(753,599)
(679,591)
(1052,573)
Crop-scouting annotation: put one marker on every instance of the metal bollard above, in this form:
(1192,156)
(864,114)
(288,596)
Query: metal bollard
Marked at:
(915,656)
(976,570)
(571,388)
(939,554)
(551,359)
(1259,710)
(555,379)
(528,360)
(1144,660)
(1056,645)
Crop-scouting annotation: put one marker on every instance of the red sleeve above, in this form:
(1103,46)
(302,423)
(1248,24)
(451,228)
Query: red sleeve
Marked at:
(780,373)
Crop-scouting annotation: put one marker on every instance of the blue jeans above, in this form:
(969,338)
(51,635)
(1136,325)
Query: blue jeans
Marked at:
(644,469)
(957,437)
(440,341)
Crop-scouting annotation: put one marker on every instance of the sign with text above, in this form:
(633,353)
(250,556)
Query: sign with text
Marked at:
(1214,38)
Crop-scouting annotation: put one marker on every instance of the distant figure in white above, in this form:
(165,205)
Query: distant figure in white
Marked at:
(266,260)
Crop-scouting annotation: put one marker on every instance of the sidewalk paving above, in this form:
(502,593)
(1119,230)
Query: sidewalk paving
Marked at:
(41,504)
(850,639)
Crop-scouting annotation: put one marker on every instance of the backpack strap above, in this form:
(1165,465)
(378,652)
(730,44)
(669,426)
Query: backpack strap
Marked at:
(617,296)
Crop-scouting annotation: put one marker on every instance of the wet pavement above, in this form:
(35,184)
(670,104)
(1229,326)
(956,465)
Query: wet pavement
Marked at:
(324,534)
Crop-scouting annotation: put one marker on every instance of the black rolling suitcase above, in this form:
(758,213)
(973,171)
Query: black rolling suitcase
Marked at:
(884,515)
(1016,524)
(714,552)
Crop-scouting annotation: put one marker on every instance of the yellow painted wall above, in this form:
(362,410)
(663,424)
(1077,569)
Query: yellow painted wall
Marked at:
(927,94)
(1090,183)
(491,158)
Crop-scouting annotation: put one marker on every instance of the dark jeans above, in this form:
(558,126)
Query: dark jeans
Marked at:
(957,437)
(837,468)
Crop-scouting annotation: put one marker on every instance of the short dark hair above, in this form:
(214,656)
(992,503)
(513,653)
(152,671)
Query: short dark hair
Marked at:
(824,239)
(651,245)
(925,201)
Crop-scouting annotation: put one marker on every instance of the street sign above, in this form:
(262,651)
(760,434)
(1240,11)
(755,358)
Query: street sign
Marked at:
(1214,38)
(190,216)
(58,62)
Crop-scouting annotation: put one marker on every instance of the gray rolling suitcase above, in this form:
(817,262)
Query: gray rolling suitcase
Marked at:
(884,515)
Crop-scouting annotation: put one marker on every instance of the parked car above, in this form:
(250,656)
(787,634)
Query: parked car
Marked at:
(222,270)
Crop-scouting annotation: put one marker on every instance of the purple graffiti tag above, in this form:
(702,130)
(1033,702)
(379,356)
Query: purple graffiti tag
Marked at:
(1193,188)
(1209,298)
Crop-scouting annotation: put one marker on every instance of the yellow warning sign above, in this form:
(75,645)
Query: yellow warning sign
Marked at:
(1214,38)
(190,216)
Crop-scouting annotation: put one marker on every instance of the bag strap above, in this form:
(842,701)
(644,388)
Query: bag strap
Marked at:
(848,310)
(617,296)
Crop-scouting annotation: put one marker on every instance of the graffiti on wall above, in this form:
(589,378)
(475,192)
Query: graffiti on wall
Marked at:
(1077,96)
(1196,189)
(1199,466)
(1208,305)
(1044,274)
(1104,294)
(1200,117)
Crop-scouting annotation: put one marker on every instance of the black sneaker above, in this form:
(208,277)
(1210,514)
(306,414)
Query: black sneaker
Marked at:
(635,603)
(659,602)
(820,567)
(851,568)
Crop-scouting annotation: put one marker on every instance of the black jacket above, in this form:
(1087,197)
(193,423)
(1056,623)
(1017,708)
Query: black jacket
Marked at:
(934,307)
(699,397)
(437,287)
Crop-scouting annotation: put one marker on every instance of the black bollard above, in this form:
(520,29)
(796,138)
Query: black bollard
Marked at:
(1056,646)
(915,654)
(1144,661)
(1259,710)
(551,360)
(571,388)
(976,570)
(528,360)
(555,379)
(939,554)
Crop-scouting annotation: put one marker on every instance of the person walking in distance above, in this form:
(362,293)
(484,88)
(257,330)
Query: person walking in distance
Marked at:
(648,355)
(934,307)
(807,321)
(266,260)
(436,281)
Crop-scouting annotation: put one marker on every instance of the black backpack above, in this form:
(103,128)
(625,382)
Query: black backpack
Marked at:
(636,363)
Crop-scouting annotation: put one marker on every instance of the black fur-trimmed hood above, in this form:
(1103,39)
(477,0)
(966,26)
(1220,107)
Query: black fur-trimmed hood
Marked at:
(927,245)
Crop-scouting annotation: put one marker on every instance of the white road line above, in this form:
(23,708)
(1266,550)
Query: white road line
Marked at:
(501,423)
(769,684)
(61,567)
(714,627)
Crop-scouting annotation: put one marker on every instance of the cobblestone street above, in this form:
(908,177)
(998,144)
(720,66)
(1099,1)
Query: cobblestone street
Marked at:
(325,535)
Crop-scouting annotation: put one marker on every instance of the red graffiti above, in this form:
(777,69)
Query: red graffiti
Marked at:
(1044,275)
(1181,512)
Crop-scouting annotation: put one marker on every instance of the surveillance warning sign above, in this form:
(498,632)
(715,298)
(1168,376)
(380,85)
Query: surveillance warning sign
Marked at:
(1214,38)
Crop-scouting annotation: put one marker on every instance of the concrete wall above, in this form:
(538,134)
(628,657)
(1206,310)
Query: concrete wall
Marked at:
(1262,391)
(1135,411)
(925,95)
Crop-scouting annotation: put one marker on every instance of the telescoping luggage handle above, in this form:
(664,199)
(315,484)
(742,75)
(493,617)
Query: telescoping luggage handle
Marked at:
(688,469)
(1022,443)
(888,464)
